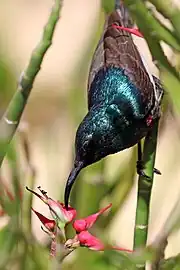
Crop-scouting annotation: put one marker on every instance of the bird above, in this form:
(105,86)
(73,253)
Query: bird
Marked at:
(124,98)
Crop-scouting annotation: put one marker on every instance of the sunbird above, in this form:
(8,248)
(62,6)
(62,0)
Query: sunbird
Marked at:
(123,98)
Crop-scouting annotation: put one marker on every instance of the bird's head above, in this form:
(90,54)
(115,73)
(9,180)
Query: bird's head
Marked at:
(93,142)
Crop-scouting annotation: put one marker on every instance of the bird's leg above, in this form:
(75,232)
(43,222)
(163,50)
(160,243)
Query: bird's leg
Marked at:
(140,165)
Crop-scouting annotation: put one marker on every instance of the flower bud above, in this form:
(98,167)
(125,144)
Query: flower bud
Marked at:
(86,223)
(88,240)
(61,215)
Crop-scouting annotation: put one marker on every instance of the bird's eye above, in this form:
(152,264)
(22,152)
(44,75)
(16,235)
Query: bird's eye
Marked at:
(85,144)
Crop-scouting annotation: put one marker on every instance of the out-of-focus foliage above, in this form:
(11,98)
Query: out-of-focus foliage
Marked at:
(108,6)
(19,248)
(7,83)
(12,116)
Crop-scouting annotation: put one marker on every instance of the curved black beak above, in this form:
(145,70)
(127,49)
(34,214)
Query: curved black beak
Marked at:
(71,179)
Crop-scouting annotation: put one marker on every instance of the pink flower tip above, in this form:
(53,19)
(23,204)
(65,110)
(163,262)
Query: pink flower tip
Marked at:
(48,223)
(57,209)
(88,240)
(87,222)
(80,225)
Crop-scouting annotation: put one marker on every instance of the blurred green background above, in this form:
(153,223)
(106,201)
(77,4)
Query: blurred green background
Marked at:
(55,108)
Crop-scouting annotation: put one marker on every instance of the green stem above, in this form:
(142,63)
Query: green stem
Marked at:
(11,118)
(150,29)
(144,190)
(170,11)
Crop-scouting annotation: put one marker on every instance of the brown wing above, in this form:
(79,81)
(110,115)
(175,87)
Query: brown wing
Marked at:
(116,48)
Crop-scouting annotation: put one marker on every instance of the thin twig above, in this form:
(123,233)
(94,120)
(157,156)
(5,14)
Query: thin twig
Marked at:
(170,11)
(170,225)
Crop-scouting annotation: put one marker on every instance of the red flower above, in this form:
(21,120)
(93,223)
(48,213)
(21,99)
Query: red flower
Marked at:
(133,31)
(85,238)
(61,215)
(50,224)
(86,223)
(58,210)
(88,240)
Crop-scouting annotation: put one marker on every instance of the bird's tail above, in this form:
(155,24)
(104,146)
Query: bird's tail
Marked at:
(125,18)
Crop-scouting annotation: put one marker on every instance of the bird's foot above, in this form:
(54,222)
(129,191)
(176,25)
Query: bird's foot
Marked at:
(140,170)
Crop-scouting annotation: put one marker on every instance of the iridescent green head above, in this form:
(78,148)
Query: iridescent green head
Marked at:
(96,137)
(93,142)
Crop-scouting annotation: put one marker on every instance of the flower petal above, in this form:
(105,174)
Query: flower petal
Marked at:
(60,213)
(86,223)
(70,213)
(88,240)
(58,210)
(42,198)
(50,224)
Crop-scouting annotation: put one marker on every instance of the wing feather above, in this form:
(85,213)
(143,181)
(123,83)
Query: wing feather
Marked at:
(116,48)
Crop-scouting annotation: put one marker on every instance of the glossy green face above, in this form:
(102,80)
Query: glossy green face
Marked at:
(103,133)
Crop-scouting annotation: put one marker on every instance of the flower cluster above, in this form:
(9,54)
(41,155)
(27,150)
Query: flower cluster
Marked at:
(61,217)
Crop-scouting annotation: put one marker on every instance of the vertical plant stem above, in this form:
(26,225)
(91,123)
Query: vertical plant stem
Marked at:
(12,116)
(144,190)
(149,25)
(171,13)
